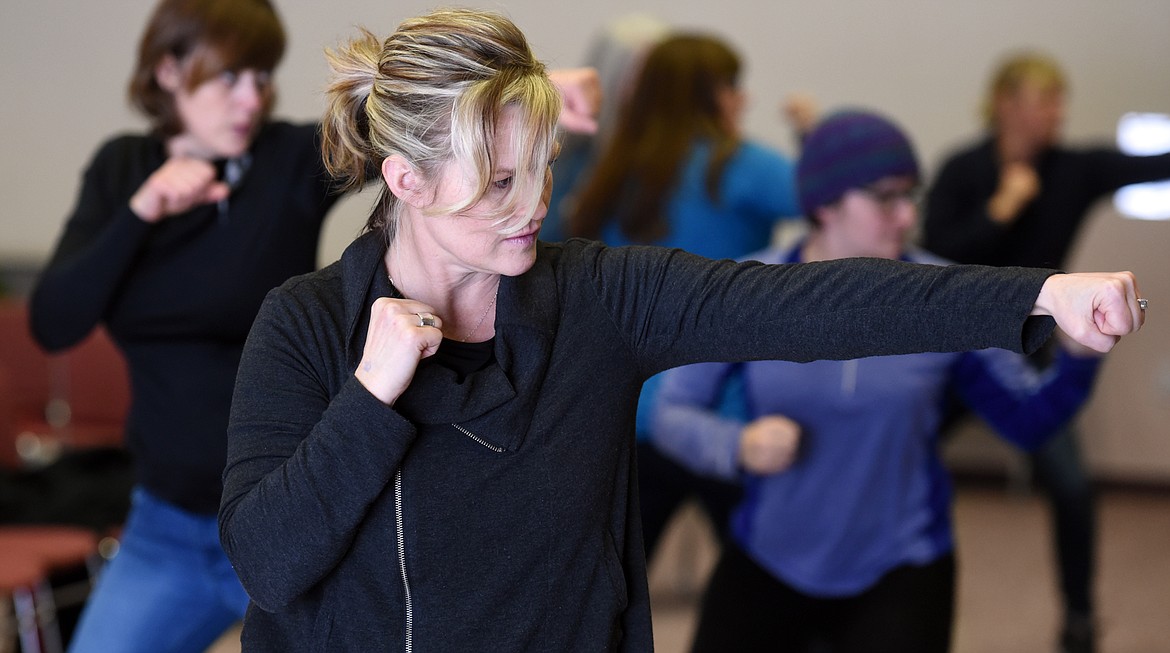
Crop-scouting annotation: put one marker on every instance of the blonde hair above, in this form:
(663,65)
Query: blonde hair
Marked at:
(1019,69)
(433,93)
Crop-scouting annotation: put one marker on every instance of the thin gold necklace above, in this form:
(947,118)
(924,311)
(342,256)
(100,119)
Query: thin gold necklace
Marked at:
(482,317)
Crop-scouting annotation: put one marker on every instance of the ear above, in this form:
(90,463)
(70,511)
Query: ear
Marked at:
(168,75)
(402,180)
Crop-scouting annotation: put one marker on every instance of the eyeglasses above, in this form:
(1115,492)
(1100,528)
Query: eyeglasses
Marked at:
(887,199)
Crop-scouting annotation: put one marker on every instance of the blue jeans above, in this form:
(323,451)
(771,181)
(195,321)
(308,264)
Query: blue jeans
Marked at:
(170,588)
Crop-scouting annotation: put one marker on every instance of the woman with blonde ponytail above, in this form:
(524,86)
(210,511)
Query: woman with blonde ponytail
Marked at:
(431,442)
(177,236)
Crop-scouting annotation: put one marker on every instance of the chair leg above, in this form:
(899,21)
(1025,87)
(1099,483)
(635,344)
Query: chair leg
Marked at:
(46,607)
(25,608)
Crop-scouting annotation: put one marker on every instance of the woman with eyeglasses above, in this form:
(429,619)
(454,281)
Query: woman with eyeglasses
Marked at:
(176,236)
(843,537)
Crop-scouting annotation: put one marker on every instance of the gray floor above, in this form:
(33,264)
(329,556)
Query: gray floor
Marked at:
(1007,596)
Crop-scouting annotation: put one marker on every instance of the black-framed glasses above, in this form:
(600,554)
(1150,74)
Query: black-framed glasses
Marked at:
(888,199)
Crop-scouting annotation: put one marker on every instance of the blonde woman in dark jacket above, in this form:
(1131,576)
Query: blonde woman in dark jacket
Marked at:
(431,442)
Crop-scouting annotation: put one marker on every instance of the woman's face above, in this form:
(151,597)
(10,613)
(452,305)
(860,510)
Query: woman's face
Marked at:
(478,239)
(1034,111)
(872,221)
(221,115)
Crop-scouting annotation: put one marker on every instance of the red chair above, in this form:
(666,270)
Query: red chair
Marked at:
(26,370)
(75,399)
(78,400)
(95,388)
(29,557)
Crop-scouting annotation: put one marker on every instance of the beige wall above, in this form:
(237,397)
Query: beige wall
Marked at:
(63,66)
(1126,427)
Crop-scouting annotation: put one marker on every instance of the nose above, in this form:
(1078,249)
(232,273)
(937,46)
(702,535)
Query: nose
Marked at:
(906,212)
(250,90)
(541,208)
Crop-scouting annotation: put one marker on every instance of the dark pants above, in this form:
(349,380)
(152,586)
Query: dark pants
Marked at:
(664,485)
(746,609)
(1059,470)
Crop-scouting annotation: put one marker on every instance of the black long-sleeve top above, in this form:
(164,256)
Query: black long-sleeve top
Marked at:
(180,295)
(499,512)
(958,227)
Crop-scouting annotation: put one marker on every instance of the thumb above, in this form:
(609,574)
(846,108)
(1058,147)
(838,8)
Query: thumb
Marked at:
(1097,335)
(216,191)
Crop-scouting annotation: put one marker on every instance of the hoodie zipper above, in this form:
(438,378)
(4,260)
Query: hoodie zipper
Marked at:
(849,372)
(409,630)
(478,439)
(401,533)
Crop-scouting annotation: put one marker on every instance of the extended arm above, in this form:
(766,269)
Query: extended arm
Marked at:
(1111,170)
(675,309)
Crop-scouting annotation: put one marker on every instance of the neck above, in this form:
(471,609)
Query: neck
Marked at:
(186,146)
(1016,148)
(818,247)
(465,300)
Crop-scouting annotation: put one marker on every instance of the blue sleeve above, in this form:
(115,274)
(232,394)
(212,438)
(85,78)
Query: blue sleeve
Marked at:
(762,182)
(697,421)
(1023,405)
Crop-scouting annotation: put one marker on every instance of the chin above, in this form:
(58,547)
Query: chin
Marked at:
(233,147)
(233,152)
(518,265)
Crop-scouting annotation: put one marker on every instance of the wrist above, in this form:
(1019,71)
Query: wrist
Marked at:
(1002,210)
(142,210)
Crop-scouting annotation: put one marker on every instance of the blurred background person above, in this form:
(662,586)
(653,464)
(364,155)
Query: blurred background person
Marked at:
(843,537)
(676,171)
(176,236)
(1019,196)
(616,54)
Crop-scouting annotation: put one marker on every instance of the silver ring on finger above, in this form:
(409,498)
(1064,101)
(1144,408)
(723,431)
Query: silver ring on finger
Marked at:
(426,320)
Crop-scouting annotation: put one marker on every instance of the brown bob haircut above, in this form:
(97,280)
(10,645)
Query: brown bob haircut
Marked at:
(208,37)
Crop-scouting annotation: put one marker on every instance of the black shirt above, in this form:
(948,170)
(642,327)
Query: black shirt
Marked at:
(957,225)
(179,296)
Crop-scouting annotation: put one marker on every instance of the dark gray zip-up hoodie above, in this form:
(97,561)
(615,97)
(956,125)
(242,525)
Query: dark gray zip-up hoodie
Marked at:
(499,514)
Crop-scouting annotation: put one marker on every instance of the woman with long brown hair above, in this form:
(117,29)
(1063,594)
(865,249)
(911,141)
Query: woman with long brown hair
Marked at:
(678,173)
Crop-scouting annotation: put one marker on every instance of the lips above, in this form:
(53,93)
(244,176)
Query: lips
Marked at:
(528,233)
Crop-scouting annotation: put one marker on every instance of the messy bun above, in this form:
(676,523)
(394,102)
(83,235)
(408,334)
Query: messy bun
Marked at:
(432,93)
(345,142)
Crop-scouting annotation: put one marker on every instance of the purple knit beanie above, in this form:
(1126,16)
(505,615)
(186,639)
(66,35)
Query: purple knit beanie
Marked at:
(850,149)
